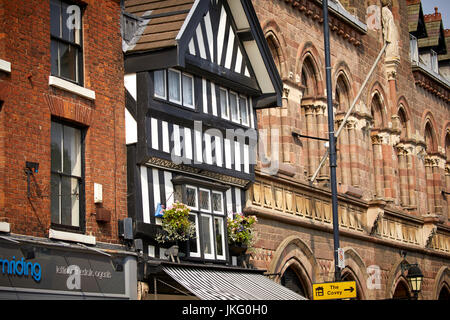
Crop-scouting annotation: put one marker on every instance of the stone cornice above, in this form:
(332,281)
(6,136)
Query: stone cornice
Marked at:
(430,83)
(341,25)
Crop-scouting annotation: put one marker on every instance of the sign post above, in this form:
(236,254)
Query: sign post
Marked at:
(334,290)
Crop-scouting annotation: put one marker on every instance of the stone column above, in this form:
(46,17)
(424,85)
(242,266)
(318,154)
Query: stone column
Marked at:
(311,129)
(345,157)
(429,184)
(437,184)
(353,149)
(378,165)
(285,132)
(321,132)
(411,178)
(403,173)
(447,189)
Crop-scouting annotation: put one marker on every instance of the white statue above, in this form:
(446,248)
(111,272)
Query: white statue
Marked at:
(390,31)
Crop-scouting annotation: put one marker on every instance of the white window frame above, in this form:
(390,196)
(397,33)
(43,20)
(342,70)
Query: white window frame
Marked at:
(227,106)
(210,256)
(246,109)
(221,199)
(198,253)
(179,86)
(165,84)
(209,201)
(238,119)
(196,197)
(222,224)
(434,63)
(414,51)
(193,90)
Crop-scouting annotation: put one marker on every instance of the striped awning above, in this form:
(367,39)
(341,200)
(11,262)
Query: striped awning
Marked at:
(209,284)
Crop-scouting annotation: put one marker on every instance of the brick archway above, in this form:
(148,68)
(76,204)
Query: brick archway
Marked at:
(294,252)
(441,282)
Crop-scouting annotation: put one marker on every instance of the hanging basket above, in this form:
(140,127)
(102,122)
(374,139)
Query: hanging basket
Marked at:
(237,249)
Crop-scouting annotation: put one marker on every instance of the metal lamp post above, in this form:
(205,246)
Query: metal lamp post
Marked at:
(332,141)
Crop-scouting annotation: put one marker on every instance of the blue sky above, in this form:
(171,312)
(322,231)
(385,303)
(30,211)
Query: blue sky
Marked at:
(444,9)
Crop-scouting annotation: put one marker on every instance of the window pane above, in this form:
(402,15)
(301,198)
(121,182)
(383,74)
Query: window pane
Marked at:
(193,248)
(188,92)
(204,200)
(68,61)
(206,234)
(191,195)
(217,202)
(55,198)
(54,58)
(234,107)
(218,224)
(174,86)
(70,203)
(244,110)
(160,83)
(224,103)
(70,21)
(55,18)
(72,151)
(56,147)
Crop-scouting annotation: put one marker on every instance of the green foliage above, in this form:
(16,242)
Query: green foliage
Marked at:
(176,224)
(240,229)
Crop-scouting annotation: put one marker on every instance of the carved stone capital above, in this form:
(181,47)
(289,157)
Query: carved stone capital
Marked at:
(376,139)
(286,91)
(401,150)
(428,161)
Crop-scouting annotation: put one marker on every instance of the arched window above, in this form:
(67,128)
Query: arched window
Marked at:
(403,123)
(377,111)
(429,137)
(292,281)
(274,50)
(342,93)
(444,294)
(309,79)
(401,291)
(349,276)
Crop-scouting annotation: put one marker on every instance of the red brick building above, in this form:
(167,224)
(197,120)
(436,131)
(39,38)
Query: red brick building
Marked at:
(393,151)
(62,150)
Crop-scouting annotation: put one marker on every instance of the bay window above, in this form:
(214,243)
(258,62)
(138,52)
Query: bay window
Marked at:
(208,215)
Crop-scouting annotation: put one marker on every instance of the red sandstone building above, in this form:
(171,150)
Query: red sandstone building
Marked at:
(393,151)
(63,158)
(62,151)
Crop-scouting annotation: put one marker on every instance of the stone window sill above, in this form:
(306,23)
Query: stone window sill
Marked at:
(5,66)
(69,236)
(71,87)
(5,227)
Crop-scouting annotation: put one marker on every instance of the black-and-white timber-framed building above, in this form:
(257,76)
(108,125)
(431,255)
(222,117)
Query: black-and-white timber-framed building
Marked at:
(195,74)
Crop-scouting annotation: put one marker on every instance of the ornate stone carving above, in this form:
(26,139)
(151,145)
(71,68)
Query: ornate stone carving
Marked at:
(162,163)
(376,139)
(390,31)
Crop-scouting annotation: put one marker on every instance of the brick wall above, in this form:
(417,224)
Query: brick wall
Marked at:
(380,167)
(30,103)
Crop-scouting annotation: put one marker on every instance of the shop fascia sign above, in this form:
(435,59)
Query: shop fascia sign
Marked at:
(21,268)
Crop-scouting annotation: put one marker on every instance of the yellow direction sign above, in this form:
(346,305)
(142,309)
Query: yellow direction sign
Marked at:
(334,290)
